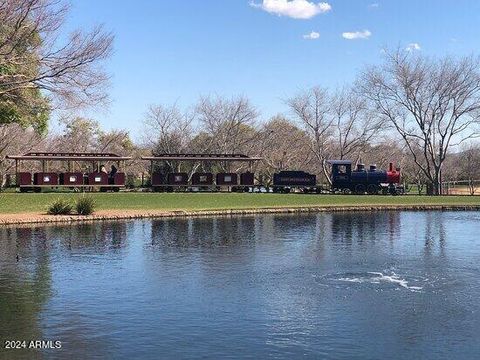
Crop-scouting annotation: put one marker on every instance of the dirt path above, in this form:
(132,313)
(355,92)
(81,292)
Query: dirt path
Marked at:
(39,218)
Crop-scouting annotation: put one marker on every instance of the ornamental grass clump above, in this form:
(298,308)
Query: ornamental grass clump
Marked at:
(60,207)
(85,206)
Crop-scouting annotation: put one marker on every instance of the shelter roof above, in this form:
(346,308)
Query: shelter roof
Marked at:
(201,157)
(66,156)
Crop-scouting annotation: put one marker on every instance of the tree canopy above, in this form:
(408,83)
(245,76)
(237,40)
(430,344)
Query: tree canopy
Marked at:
(42,70)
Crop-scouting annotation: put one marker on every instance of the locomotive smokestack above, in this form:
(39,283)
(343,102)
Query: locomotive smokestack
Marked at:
(390,167)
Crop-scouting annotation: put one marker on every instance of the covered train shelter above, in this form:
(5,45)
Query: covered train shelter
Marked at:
(199,179)
(73,176)
(202,157)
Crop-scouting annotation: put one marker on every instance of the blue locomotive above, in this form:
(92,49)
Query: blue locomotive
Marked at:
(361,180)
(344,179)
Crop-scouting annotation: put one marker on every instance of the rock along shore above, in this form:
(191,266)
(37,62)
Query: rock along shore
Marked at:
(38,218)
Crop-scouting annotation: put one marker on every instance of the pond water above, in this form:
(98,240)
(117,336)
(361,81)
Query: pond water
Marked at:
(392,285)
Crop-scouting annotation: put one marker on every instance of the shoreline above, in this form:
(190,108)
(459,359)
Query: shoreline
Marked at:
(113,215)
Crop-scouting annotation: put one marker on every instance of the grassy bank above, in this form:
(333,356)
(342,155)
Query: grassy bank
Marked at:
(34,203)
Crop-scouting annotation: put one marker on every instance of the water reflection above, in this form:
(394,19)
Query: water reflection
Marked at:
(26,279)
(203,232)
(435,234)
(332,285)
(358,227)
(24,286)
(99,236)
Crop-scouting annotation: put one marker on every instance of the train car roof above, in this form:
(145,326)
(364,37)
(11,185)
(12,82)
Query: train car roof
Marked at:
(340,162)
(64,156)
(202,157)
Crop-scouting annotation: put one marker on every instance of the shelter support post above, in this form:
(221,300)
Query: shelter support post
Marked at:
(17,182)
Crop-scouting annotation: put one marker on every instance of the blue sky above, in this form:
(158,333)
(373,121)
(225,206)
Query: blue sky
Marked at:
(177,50)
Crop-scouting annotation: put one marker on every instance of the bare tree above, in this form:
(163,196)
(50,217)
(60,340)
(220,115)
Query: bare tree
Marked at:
(313,109)
(35,59)
(282,145)
(228,122)
(468,163)
(115,141)
(411,172)
(355,125)
(168,131)
(79,135)
(16,141)
(433,105)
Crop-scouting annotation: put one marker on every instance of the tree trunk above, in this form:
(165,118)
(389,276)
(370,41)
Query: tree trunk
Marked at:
(430,188)
(437,185)
(326,172)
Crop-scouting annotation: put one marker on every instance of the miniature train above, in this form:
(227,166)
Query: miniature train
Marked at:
(73,177)
(343,178)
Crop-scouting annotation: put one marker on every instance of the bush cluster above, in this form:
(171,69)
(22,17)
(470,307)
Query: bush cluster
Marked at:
(60,207)
(83,206)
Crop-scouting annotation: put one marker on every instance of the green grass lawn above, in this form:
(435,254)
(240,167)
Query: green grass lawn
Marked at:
(23,203)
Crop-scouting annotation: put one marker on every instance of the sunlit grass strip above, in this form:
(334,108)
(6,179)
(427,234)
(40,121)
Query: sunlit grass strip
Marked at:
(34,203)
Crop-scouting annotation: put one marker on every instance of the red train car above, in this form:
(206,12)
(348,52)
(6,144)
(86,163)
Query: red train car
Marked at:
(158,179)
(119,179)
(72,178)
(177,179)
(24,179)
(247,179)
(97,178)
(45,179)
(227,179)
(202,179)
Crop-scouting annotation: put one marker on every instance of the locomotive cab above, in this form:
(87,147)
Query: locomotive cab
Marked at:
(341,174)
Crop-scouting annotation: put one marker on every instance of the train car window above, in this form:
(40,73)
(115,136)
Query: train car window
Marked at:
(178,178)
(73,178)
(228,178)
(46,179)
(98,179)
(203,178)
(342,169)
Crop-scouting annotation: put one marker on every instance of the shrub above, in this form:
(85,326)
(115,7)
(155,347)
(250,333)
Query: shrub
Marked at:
(60,207)
(85,206)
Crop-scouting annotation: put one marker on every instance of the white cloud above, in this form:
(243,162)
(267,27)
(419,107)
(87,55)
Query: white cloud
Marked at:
(365,34)
(312,36)
(297,9)
(413,47)
(374,5)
